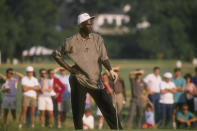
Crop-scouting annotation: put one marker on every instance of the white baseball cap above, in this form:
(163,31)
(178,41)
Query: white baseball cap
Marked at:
(84,17)
(29,69)
(168,75)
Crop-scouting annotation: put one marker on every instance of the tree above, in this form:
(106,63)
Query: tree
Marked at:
(170,29)
(26,23)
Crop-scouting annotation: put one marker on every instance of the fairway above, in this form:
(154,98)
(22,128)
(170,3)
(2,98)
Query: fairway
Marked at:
(125,65)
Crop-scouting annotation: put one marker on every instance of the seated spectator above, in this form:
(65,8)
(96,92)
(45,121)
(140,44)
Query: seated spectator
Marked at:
(149,116)
(101,118)
(167,88)
(88,120)
(185,118)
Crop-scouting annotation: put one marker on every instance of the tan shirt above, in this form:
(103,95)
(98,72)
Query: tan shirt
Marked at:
(88,55)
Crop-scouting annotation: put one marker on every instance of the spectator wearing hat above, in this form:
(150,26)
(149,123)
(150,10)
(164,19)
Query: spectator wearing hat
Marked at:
(139,93)
(153,82)
(87,50)
(167,88)
(9,90)
(179,96)
(185,118)
(30,86)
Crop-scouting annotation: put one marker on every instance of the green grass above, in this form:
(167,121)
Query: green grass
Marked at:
(126,67)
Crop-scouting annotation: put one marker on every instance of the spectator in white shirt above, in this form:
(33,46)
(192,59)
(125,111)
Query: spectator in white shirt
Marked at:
(45,102)
(153,81)
(168,88)
(9,89)
(88,120)
(30,87)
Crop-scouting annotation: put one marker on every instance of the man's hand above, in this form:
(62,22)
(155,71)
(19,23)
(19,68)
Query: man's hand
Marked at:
(188,123)
(6,90)
(75,70)
(110,91)
(180,89)
(36,88)
(56,95)
(113,75)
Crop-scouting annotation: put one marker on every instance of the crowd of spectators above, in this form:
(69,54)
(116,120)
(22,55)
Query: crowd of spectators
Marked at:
(156,101)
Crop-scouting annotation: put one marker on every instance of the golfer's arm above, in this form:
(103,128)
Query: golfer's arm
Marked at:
(58,58)
(107,65)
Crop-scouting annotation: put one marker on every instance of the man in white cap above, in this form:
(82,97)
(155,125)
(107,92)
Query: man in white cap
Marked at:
(88,52)
(167,89)
(30,86)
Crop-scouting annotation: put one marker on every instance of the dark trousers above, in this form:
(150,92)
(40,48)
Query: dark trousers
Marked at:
(155,100)
(190,103)
(165,113)
(78,96)
(55,110)
(184,125)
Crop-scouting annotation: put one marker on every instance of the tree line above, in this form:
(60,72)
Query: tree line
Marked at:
(172,34)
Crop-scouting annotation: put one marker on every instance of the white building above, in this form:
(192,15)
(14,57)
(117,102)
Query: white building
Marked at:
(113,23)
(118,22)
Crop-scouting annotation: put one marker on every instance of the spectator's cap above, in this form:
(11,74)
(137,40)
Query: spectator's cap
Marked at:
(29,69)
(84,17)
(168,75)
